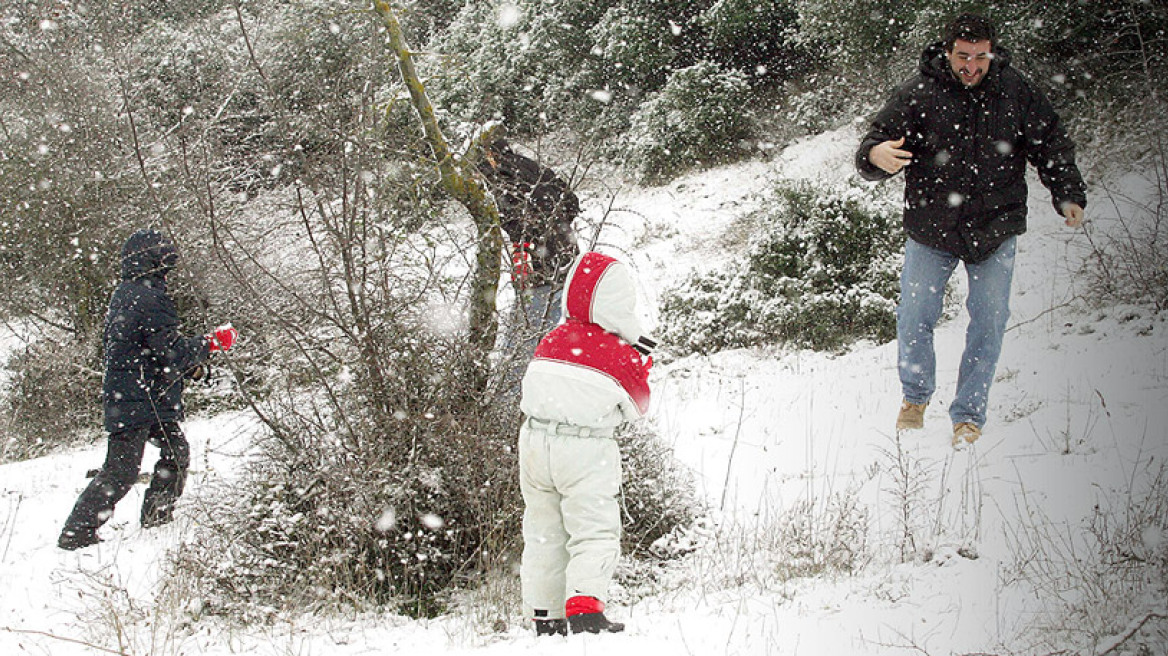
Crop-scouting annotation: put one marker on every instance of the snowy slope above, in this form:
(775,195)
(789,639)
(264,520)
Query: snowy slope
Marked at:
(1077,414)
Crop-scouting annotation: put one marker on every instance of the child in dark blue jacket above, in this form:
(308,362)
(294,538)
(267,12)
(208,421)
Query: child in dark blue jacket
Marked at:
(146,361)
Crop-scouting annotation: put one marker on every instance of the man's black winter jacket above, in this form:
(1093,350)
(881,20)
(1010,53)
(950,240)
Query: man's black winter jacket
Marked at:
(536,206)
(965,190)
(145,356)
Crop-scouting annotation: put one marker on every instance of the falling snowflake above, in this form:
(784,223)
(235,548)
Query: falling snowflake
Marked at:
(509,16)
(387,521)
(600,95)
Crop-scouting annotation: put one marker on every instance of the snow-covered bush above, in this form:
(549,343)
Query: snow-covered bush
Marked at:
(633,48)
(760,39)
(590,66)
(820,537)
(658,493)
(820,270)
(186,72)
(68,195)
(522,62)
(1089,51)
(397,520)
(53,399)
(818,103)
(864,31)
(701,116)
(402,519)
(318,61)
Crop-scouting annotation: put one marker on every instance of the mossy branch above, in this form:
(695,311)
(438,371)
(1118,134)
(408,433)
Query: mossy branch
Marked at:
(459,180)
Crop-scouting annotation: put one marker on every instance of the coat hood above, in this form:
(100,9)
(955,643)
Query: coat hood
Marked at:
(591,370)
(600,290)
(148,254)
(935,64)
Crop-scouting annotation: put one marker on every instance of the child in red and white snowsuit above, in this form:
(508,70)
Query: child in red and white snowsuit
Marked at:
(589,376)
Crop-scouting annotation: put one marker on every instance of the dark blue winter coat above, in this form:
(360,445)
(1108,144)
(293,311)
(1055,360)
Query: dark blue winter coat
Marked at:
(146,358)
(965,190)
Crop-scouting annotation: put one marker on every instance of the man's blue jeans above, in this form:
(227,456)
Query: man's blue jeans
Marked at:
(541,314)
(537,310)
(922,294)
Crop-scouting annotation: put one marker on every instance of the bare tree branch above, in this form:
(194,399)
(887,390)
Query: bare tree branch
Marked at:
(1132,629)
(460,181)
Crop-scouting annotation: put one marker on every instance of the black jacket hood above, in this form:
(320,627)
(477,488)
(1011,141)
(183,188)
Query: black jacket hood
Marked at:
(148,254)
(935,64)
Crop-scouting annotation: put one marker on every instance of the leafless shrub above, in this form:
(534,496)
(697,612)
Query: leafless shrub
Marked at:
(1129,241)
(52,400)
(1128,232)
(907,483)
(1105,581)
(815,537)
(389,476)
(399,520)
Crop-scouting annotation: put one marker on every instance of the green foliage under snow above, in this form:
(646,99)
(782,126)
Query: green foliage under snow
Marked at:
(700,116)
(820,270)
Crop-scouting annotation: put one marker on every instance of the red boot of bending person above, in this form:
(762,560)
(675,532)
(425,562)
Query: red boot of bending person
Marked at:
(586,615)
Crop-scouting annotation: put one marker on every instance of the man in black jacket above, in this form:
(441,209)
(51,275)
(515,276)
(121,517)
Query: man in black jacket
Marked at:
(146,360)
(962,130)
(536,210)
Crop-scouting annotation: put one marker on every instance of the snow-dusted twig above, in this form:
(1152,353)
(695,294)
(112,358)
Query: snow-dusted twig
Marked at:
(1132,629)
(1065,304)
(734,446)
(54,636)
(11,525)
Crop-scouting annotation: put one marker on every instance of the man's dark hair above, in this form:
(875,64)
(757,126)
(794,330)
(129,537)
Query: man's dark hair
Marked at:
(969,27)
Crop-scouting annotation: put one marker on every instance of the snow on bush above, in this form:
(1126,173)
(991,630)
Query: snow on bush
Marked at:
(820,271)
(397,515)
(659,494)
(53,398)
(397,520)
(700,116)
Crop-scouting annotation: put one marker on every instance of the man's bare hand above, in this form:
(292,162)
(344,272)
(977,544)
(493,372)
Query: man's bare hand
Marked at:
(888,156)
(1074,214)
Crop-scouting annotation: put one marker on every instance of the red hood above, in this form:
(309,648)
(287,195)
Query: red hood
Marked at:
(600,290)
(601,331)
(583,280)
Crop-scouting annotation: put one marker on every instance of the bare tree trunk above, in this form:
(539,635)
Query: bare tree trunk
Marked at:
(459,180)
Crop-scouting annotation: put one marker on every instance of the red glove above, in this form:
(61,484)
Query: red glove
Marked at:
(223,338)
(521,262)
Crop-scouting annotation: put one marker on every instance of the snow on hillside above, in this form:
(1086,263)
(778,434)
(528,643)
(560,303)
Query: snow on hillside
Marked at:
(1077,427)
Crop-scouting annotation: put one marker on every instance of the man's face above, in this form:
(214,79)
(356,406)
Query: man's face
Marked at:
(970,61)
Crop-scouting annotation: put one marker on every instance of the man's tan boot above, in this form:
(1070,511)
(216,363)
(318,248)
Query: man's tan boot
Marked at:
(912,416)
(965,433)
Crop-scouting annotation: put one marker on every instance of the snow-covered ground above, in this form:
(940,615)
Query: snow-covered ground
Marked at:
(1077,428)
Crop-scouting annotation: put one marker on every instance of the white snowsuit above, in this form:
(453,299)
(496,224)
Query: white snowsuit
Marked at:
(586,379)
